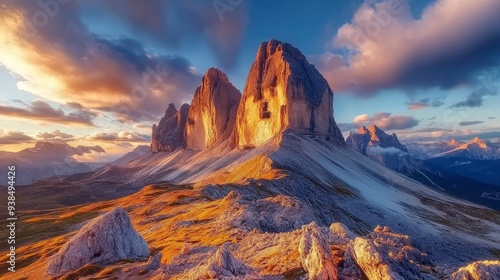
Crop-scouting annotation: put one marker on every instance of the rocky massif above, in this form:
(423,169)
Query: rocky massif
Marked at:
(385,149)
(168,135)
(283,91)
(213,111)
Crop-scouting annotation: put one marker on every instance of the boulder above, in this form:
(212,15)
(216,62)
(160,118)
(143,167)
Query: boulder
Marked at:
(223,265)
(384,254)
(481,270)
(105,239)
(315,253)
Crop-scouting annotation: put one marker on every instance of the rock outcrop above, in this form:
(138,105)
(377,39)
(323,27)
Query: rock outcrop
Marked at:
(283,91)
(106,239)
(223,265)
(481,270)
(213,111)
(315,253)
(386,149)
(168,135)
(384,254)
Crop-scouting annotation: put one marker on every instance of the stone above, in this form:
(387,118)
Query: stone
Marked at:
(213,111)
(480,270)
(283,91)
(168,135)
(223,265)
(105,239)
(384,254)
(340,234)
(315,253)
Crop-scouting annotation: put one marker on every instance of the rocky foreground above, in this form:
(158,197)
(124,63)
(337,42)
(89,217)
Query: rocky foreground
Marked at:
(310,252)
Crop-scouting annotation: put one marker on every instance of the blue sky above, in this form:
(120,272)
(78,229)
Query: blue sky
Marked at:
(428,71)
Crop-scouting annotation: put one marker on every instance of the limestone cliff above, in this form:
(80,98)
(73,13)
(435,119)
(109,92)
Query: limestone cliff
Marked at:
(168,135)
(212,112)
(283,91)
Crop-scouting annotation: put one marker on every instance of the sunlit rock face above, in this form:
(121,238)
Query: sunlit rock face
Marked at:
(168,135)
(487,270)
(283,91)
(212,112)
(384,254)
(315,253)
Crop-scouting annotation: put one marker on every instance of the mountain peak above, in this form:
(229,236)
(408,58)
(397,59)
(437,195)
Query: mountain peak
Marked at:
(213,111)
(216,74)
(283,90)
(373,136)
(454,143)
(171,110)
(363,130)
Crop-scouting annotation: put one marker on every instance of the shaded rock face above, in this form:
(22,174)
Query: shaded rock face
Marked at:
(106,239)
(315,253)
(386,149)
(384,254)
(168,135)
(213,111)
(481,270)
(283,91)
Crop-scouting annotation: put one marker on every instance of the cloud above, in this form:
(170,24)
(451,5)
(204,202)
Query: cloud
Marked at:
(386,121)
(56,134)
(219,24)
(439,134)
(41,111)
(467,123)
(81,150)
(14,137)
(491,118)
(120,136)
(424,104)
(124,144)
(475,99)
(65,62)
(385,47)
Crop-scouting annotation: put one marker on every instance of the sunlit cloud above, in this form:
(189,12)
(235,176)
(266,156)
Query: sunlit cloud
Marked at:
(14,137)
(41,111)
(384,47)
(120,136)
(66,63)
(386,121)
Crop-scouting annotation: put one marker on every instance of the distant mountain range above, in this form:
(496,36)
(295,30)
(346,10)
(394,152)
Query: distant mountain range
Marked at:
(47,159)
(468,170)
(475,149)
